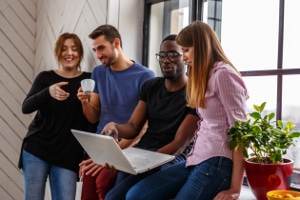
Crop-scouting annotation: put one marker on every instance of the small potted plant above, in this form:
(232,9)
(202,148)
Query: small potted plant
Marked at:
(264,142)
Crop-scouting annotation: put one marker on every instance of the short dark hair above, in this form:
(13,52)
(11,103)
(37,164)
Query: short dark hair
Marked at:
(110,33)
(170,37)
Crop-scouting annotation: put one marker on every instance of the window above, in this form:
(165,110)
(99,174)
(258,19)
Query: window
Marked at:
(260,38)
(161,19)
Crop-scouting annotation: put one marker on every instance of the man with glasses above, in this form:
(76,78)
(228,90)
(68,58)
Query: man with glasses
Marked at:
(171,56)
(171,125)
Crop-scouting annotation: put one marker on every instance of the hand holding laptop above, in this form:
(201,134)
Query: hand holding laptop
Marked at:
(89,167)
(110,167)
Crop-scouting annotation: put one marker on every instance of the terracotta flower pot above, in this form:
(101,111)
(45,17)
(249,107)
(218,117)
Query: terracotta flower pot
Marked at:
(265,177)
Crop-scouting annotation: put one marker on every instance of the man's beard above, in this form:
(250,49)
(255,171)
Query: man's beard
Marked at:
(108,62)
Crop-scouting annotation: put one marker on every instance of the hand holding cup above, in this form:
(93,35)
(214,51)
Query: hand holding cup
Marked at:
(87,85)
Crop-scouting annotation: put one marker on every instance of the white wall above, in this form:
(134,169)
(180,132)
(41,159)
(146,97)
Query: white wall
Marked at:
(29,29)
(131,27)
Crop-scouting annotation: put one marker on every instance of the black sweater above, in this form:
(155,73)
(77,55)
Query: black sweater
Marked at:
(49,136)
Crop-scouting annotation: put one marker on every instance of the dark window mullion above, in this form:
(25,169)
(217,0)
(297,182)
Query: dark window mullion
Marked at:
(271,72)
(280,60)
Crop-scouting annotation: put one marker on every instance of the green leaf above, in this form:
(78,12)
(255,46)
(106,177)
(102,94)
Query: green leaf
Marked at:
(245,153)
(271,116)
(290,125)
(262,106)
(280,123)
(255,115)
(294,134)
(257,108)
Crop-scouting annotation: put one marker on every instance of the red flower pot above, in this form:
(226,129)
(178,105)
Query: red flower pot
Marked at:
(265,177)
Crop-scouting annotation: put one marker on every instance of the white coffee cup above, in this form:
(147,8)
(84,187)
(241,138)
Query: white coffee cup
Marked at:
(87,85)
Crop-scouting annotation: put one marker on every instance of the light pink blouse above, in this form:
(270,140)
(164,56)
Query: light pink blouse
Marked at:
(225,101)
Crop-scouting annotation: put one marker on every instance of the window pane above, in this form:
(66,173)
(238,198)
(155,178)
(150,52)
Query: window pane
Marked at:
(212,15)
(290,100)
(249,33)
(291,112)
(166,18)
(261,89)
(291,44)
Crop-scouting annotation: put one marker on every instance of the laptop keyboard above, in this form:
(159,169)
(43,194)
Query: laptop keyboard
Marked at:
(144,160)
(137,160)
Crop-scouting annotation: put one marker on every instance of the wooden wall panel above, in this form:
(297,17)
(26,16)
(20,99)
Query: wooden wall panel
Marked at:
(19,62)
(19,29)
(23,14)
(10,179)
(10,82)
(7,132)
(4,194)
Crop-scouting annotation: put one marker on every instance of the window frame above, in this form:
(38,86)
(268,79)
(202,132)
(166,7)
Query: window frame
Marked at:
(196,10)
(197,14)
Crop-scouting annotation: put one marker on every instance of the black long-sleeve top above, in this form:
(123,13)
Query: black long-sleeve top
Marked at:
(49,136)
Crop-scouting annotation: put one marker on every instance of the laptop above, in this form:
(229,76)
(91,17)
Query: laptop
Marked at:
(104,149)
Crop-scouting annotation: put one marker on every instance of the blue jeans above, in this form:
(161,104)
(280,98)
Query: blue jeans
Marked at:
(125,181)
(35,172)
(203,181)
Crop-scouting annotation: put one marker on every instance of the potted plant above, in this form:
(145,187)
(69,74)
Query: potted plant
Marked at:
(264,142)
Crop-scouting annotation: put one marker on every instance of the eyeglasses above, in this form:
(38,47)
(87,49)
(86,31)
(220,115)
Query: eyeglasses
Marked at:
(172,56)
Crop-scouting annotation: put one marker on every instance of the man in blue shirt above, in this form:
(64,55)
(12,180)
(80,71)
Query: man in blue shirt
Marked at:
(116,93)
